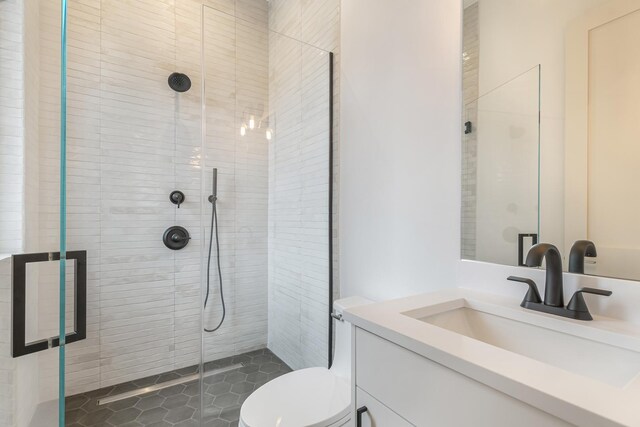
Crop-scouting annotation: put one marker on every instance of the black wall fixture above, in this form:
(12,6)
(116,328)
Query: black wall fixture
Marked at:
(330,206)
(521,237)
(468,128)
(176,237)
(19,346)
(179,82)
(177,198)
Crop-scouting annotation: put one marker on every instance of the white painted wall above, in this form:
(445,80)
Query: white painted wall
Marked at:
(400,151)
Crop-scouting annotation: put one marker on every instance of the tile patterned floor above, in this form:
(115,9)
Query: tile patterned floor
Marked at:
(179,405)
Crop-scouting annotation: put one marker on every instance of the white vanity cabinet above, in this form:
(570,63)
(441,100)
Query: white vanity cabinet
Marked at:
(401,388)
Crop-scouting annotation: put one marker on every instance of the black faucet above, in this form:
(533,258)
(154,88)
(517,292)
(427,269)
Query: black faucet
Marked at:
(554,292)
(580,250)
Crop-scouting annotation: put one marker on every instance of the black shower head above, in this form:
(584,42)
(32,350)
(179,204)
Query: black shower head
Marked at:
(179,82)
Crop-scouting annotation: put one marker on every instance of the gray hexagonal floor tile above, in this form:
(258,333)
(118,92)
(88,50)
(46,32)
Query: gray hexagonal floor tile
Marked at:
(153,415)
(170,391)
(192,388)
(179,405)
(176,401)
(96,418)
(188,423)
(235,377)
(219,388)
(124,403)
(75,402)
(179,414)
(132,424)
(150,401)
(269,368)
(124,416)
(242,388)
(257,377)
(226,400)
(74,415)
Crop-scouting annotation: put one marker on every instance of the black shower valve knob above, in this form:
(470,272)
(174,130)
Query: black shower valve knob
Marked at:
(177,198)
(176,237)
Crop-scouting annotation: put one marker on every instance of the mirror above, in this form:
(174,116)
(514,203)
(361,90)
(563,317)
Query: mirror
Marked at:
(549,147)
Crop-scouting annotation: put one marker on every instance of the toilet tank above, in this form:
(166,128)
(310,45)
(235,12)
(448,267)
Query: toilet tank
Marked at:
(342,348)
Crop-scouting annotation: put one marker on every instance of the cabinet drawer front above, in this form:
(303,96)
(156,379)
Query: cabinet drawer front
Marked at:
(428,394)
(377,415)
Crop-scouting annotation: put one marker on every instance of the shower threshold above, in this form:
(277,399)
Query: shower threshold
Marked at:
(166,384)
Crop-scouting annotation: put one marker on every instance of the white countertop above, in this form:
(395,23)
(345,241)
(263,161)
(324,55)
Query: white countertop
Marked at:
(577,399)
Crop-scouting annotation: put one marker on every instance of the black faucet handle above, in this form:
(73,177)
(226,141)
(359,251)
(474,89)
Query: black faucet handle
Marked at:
(177,198)
(578,303)
(532,294)
(603,292)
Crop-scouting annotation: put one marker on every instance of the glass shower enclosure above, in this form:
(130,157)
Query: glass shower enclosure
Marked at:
(137,119)
(500,171)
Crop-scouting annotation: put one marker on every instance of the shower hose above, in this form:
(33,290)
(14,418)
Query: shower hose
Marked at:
(214,229)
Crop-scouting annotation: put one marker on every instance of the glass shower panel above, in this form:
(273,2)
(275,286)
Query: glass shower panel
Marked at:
(235,254)
(266,139)
(500,215)
(133,140)
(236,98)
(299,159)
(36,271)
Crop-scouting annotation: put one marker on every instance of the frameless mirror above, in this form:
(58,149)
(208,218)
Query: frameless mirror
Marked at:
(549,147)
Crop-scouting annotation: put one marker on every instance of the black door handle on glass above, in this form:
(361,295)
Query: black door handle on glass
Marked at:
(19,346)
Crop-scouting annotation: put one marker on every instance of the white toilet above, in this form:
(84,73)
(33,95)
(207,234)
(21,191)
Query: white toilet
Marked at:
(313,397)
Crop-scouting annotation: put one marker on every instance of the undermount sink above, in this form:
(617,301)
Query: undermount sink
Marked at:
(600,361)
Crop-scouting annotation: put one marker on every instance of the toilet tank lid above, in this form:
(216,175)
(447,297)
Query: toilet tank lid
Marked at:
(344,303)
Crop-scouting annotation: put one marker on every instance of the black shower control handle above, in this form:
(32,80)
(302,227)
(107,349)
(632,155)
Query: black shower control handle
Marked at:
(177,198)
(178,238)
(359,413)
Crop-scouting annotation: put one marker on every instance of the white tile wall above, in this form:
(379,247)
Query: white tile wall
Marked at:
(299,176)
(18,172)
(470,92)
(7,367)
(18,377)
(11,125)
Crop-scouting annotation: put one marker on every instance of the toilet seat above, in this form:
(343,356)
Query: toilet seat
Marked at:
(313,397)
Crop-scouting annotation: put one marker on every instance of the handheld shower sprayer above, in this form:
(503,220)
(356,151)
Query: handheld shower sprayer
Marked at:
(213,198)
(214,186)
